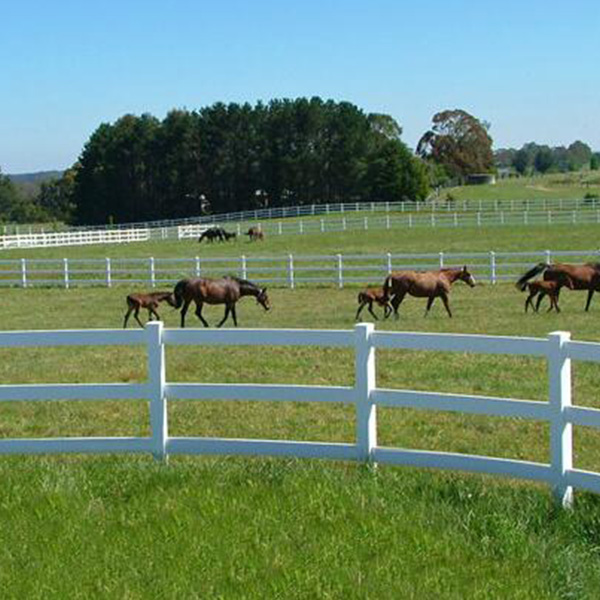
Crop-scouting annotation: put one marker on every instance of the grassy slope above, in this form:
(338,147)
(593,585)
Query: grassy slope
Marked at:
(256,528)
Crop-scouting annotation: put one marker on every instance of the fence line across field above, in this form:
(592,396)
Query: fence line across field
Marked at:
(310,226)
(364,395)
(288,270)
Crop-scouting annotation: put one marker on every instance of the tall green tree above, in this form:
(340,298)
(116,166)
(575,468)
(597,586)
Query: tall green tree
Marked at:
(459,142)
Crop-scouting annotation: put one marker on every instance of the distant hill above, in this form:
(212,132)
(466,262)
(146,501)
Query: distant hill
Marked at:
(29,183)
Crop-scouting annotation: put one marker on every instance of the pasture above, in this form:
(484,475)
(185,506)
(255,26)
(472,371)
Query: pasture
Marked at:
(264,528)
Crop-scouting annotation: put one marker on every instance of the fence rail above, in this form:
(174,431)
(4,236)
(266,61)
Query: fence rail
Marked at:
(288,270)
(557,349)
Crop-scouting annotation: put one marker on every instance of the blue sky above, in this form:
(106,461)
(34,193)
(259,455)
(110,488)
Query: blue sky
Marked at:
(531,68)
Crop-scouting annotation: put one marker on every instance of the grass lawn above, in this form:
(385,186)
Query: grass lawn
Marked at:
(127,527)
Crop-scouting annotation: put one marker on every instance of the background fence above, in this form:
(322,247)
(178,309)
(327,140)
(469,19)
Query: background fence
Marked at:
(285,270)
(558,350)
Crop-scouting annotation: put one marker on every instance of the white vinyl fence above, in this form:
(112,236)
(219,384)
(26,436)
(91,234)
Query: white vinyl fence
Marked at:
(285,270)
(558,350)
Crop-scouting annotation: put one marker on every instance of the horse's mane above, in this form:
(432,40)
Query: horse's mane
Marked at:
(243,282)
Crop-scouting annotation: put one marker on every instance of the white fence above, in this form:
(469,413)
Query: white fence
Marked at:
(285,270)
(364,395)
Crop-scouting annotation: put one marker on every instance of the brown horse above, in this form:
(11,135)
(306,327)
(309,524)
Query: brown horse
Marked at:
(545,288)
(255,233)
(149,301)
(373,295)
(583,277)
(427,284)
(225,291)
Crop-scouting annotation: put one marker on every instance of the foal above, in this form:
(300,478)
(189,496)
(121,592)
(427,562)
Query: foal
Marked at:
(149,301)
(545,288)
(370,295)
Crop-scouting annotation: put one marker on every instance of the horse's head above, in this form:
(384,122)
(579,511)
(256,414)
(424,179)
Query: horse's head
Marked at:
(263,299)
(467,277)
(171,300)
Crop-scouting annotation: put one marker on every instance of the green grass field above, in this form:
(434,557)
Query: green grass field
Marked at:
(203,527)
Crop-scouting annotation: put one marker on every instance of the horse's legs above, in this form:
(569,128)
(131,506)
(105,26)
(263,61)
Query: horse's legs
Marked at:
(199,306)
(129,311)
(446,304)
(554,302)
(227,311)
(153,312)
(233,314)
(387,310)
(370,309)
(589,299)
(184,310)
(396,302)
(539,301)
(429,303)
(529,301)
(137,318)
(362,305)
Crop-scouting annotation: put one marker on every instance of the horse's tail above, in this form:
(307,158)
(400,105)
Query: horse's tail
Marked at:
(529,274)
(178,292)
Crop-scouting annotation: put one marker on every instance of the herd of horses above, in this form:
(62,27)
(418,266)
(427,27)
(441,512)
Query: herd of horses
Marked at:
(222,235)
(421,284)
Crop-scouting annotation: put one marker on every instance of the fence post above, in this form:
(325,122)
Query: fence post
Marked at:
(366,411)
(492,267)
(344,223)
(108,273)
(561,430)
(322,225)
(279,228)
(156,385)
(366,223)
(244,267)
(547,255)
(66,272)
(387,221)
(239,229)
(300,227)
(340,270)
(24,272)
(389,263)
(290,271)
(152,272)
(441,260)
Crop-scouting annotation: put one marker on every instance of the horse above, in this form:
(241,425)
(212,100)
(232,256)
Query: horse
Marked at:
(544,288)
(211,234)
(583,277)
(227,290)
(149,301)
(370,295)
(425,284)
(255,233)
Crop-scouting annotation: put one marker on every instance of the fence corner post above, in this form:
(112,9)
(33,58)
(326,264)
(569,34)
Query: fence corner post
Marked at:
(365,383)
(157,383)
(561,430)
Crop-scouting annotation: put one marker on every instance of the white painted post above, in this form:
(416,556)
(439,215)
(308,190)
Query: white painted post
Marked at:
(156,385)
(366,223)
(410,223)
(197,264)
(24,272)
(66,272)
(244,267)
(547,256)
(300,227)
(344,223)
(108,273)
(387,221)
(340,270)
(561,430)
(441,260)
(492,267)
(290,271)
(389,263)
(152,272)
(365,383)
(322,225)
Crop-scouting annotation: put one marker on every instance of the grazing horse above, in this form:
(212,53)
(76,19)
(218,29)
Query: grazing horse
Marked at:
(370,295)
(225,291)
(255,233)
(149,301)
(427,284)
(211,234)
(583,277)
(228,235)
(544,288)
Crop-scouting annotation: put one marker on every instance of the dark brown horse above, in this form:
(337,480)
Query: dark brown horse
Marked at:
(427,284)
(583,277)
(225,291)
(149,301)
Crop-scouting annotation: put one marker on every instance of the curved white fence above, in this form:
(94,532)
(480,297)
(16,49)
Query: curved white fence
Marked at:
(557,349)
(288,270)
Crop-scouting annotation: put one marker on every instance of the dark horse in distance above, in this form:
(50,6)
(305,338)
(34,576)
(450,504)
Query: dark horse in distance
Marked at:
(582,277)
(424,284)
(225,291)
